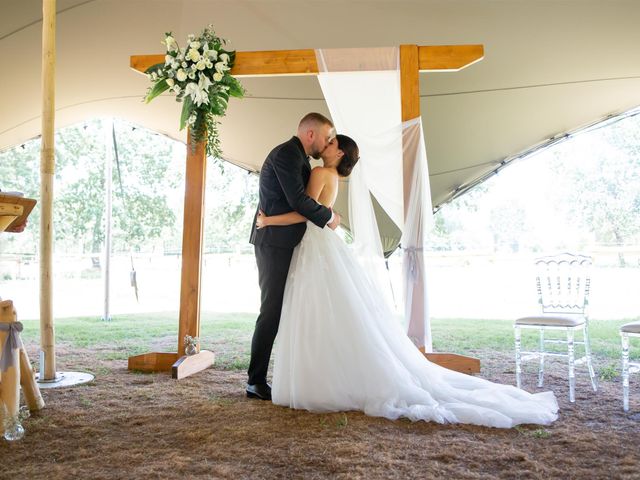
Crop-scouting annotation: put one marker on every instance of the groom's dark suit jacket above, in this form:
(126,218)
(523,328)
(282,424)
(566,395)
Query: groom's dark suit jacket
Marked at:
(283,179)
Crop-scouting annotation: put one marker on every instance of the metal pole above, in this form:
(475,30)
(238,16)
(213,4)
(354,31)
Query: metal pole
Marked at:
(108,162)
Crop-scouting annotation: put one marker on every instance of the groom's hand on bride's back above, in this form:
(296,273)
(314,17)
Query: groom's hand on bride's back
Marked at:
(333,224)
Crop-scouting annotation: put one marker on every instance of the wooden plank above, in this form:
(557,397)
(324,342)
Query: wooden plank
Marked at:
(9,212)
(303,62)
(448,58)
(409,83)
(189,364)
(152,362)
(452,361)
(12,201)
(193,228)
(30,390)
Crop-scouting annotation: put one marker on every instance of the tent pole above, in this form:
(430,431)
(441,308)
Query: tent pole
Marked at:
(47,167)
(107,126)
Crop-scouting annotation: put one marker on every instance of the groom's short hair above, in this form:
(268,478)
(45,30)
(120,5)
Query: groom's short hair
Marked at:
(314,119)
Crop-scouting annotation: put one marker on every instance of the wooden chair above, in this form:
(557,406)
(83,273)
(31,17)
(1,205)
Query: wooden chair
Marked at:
(563,294)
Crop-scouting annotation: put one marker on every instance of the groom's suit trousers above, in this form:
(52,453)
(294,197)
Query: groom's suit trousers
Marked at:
(273,267)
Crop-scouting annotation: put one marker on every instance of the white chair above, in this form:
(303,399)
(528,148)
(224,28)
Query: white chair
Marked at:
(626,331)
(563,293)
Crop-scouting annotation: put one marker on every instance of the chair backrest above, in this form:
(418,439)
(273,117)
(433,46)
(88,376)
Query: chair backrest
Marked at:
(563,283)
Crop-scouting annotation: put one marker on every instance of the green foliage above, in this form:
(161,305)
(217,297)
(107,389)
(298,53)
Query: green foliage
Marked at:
(141,211)
(158,88)
(609,372)
(577,193)
(234,197)
(603,189)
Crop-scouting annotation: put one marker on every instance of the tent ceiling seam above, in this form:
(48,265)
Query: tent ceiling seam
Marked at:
(525,87)
(39,20)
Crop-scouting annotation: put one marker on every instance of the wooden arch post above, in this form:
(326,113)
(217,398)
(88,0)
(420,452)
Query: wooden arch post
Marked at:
(414,59)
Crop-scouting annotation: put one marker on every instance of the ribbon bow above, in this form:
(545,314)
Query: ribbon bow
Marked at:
(412,260)
(11,344)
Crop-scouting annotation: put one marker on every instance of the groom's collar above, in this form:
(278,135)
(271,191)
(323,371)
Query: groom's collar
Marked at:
(298,143)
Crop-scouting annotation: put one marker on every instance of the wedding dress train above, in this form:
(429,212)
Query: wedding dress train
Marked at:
(340,348)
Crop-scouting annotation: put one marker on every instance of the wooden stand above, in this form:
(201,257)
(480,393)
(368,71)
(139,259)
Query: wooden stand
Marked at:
(19,374)
(14,211)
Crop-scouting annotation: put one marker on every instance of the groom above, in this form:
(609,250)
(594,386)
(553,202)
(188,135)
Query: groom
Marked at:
(283,180)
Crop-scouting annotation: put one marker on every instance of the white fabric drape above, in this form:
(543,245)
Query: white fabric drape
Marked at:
(418,221)
(362,90)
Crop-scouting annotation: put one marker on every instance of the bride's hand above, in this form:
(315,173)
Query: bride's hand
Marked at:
(261,220)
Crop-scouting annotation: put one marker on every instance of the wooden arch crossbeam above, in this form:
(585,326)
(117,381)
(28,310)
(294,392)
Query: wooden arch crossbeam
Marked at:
(413,60)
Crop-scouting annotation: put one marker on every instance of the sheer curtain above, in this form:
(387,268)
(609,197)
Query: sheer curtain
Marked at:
(362,90)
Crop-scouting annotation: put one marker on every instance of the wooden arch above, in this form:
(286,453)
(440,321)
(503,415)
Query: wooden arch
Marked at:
(413,60)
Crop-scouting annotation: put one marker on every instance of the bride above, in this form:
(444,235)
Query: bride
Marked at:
(340,348)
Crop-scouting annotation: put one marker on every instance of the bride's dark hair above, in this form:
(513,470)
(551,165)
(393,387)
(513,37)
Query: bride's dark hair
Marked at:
(351,155)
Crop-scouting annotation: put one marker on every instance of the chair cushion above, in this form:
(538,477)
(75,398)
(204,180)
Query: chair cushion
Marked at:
(550,320)
(633,327)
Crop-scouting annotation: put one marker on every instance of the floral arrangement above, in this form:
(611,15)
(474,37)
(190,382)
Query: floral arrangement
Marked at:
(199,76)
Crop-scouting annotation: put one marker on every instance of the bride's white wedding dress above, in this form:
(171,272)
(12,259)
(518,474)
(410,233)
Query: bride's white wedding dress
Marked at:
(340,348)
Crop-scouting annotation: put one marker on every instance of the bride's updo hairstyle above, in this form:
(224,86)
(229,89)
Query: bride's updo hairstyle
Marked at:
(351,155)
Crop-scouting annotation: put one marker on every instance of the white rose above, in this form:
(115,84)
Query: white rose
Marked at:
(193,55)
(195,45)
(171,82)
(224,57)
(201,65)
(181,75)
(217,76)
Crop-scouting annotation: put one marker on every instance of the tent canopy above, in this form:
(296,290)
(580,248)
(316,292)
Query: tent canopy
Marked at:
(550,67)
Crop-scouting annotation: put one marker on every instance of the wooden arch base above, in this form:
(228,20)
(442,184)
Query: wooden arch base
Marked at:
(180,367)
(453,361)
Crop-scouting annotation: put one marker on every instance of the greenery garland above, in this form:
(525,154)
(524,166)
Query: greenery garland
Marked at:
(199,76)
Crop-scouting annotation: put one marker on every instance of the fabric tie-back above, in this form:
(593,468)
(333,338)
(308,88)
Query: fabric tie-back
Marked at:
(362,90)
(11,345)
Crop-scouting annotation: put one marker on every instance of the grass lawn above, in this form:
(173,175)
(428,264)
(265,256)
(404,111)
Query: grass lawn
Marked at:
(229,336)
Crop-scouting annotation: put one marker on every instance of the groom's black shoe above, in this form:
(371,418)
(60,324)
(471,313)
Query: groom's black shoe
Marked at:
(259,390)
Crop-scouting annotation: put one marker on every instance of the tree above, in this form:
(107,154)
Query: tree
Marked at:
(603,188)
(232,197)
(141,211)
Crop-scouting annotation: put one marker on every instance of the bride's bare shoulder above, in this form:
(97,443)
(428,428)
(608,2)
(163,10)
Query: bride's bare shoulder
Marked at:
(323,172)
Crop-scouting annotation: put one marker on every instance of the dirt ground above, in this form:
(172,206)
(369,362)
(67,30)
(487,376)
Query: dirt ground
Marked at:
(128,425)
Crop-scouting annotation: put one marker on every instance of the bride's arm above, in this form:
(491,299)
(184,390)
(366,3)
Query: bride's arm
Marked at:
(314,188)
